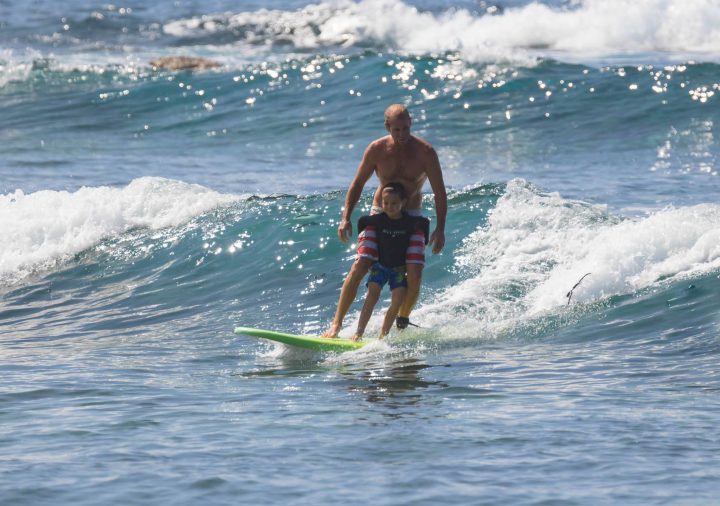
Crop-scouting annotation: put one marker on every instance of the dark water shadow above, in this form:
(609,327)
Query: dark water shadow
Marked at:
(397,388)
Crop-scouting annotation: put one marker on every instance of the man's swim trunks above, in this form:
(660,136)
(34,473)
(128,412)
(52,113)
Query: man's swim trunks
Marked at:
(395,276)
(393,242)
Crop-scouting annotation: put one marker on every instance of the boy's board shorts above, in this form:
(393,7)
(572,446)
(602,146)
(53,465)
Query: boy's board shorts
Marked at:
(395,276)
(367,245)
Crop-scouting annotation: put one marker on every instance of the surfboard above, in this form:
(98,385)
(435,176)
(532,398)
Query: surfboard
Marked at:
(314,343)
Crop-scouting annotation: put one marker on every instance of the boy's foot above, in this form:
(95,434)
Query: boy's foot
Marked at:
(332,332)
(356,338)
(402,322)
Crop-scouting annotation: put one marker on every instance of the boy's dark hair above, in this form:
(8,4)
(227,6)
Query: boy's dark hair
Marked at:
(396,188)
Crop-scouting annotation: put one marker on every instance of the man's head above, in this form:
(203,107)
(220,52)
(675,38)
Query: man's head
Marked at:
(393,199)
(397,123)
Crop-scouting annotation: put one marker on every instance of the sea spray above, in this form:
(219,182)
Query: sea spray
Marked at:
(536,246)
(43,227)
(516,34)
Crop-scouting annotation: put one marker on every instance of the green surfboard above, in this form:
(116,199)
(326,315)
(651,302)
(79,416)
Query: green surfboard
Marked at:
(314,343)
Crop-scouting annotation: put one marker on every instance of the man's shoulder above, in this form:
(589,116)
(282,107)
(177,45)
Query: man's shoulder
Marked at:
(375,150)
(384,143)
(380,144)
(423,146)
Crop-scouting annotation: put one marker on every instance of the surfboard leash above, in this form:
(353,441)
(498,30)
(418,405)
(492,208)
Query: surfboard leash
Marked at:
(402,323)
(570,293)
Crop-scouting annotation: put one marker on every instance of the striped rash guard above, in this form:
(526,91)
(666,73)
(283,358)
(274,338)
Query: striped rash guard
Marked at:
(393,243)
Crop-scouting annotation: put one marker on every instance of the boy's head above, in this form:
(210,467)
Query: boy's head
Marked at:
(393,199)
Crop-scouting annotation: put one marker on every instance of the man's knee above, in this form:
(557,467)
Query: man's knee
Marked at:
(398,295)
(414,273)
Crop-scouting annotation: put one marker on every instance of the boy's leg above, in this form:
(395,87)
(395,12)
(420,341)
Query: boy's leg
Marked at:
(398,295)
(367,255)
(348,293)
(373,294)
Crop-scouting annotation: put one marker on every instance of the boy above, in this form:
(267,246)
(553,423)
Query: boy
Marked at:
(392,239)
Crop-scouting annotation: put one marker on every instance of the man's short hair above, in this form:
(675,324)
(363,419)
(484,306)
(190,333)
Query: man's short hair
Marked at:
(395,111)
(396,188)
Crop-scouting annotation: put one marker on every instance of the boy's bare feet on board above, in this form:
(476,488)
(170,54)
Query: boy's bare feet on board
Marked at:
(332,332)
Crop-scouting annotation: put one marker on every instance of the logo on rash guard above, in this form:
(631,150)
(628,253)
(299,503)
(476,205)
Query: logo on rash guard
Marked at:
(394,233)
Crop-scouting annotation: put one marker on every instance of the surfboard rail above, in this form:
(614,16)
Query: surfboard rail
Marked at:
(315,343)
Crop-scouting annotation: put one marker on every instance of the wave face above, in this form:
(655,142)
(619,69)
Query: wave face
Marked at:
(516,253)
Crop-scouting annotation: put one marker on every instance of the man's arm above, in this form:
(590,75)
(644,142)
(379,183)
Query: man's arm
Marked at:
(364,171)
(434,174)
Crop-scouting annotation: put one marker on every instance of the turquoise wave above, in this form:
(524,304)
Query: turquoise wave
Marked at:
(274,262)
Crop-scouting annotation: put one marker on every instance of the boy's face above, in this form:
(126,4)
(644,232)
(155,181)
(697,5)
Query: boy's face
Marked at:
(392,204)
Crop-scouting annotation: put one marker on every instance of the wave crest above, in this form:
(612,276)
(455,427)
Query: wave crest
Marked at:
(536,246)
(516,34)
(46,226)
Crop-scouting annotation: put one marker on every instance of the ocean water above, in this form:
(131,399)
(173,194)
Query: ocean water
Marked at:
(145,212)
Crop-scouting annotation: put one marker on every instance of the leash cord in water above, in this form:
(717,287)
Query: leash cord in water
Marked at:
(570,293)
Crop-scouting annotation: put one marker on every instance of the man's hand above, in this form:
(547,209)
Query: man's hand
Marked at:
(437,240)
(345,230)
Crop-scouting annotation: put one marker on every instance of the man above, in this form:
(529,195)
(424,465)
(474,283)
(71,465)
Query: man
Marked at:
(407,159)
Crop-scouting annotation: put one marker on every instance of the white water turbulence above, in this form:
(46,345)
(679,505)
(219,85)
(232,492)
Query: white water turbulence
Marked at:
(42,228)
(535,247)
(14,68)
(518,35)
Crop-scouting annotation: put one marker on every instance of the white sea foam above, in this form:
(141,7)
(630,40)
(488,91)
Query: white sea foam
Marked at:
(13,68)
(516,34)
(587,31)
(40,228)
(536,246)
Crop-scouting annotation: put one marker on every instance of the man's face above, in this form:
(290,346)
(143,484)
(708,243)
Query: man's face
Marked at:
(399,128)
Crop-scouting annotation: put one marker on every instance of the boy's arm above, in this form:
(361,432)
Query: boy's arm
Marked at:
(364,222)
(424,225)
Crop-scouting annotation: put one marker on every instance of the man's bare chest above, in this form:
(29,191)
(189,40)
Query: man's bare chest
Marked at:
(400,167)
